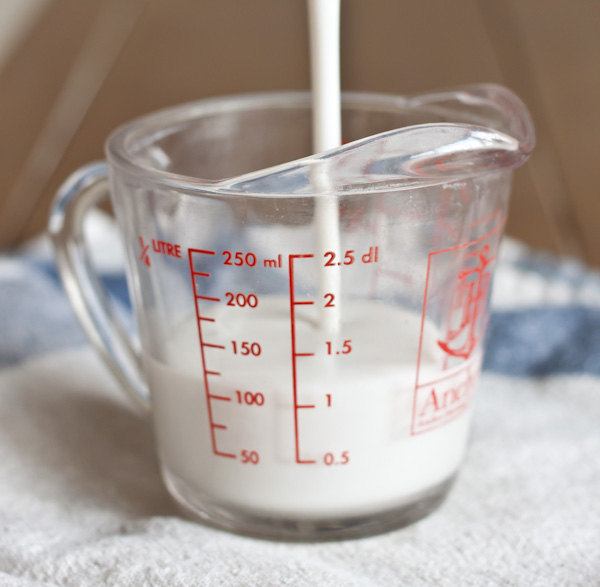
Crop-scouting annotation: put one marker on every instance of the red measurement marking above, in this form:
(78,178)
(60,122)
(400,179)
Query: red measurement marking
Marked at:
(202,252)
(144,255)
(144,248)
(293,304)
(199,319)
(303,303)
(304,354)
(213,346)
(225,454)
(301,407)
(220,397)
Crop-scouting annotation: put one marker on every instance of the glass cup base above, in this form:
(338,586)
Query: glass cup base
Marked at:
(281,528)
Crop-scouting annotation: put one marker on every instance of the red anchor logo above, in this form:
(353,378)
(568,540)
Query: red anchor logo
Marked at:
(468,302)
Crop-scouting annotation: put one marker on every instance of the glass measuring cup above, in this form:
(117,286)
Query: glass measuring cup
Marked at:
(267,422)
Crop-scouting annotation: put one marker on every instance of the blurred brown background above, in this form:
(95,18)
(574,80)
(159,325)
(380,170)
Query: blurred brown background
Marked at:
(72,70)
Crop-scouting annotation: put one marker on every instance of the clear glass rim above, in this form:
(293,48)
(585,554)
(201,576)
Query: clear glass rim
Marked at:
(149,127)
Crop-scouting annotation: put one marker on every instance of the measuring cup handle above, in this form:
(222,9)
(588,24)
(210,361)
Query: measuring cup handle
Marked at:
(82,191)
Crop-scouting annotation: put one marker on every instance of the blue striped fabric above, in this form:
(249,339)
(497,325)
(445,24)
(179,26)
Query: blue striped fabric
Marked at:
(544,341)
(533,340)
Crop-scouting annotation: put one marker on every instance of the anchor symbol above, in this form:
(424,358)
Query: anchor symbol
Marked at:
(469,298)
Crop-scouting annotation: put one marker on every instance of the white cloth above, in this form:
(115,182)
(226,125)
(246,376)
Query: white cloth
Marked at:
(82,501)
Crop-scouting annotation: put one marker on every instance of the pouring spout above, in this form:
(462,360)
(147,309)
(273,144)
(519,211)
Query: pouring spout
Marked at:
(496,135)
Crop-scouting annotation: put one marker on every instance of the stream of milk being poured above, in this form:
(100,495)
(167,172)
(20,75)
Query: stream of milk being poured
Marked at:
(324,27)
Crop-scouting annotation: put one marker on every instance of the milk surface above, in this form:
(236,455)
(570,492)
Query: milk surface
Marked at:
(355,445)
